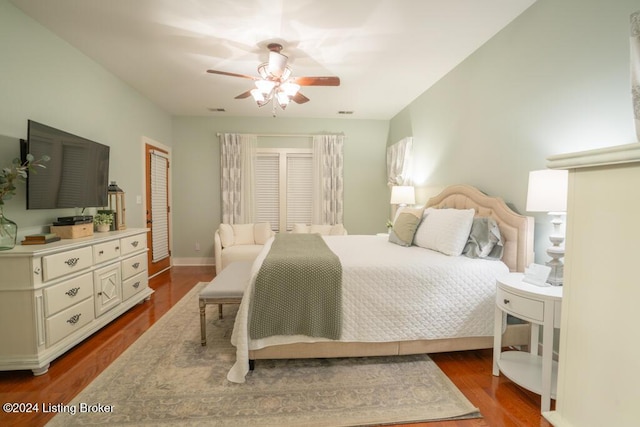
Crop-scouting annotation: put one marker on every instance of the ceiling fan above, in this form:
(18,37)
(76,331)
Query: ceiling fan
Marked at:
(275,81)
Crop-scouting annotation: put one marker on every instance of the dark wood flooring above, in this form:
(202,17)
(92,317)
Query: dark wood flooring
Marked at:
(501,402)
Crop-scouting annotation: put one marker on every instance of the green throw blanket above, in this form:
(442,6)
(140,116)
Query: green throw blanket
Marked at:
(298,290)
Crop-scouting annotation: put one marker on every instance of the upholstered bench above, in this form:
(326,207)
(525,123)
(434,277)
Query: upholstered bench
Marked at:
(226,288)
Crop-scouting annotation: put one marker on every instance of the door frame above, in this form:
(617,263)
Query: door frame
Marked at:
(161,147)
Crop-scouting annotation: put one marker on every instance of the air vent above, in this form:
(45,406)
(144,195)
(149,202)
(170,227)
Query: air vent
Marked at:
(345,112)
(217,110)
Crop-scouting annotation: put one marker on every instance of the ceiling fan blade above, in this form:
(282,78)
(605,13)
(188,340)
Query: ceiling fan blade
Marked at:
(225,73)
(317,81)
(244,95)
(299,98)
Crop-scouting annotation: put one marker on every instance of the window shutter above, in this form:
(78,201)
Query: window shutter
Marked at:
(159,203)
(267,190)
(299,189)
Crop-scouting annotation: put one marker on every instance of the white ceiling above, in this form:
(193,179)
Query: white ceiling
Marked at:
(386,52)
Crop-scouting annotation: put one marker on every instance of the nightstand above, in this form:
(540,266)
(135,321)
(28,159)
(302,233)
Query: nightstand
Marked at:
(541,307)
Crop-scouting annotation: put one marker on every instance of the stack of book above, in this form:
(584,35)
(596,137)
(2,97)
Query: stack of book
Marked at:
(40,239)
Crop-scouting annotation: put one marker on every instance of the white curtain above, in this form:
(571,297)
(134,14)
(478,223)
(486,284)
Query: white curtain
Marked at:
(635,68)
(399,161)
(237,160)
(328,185)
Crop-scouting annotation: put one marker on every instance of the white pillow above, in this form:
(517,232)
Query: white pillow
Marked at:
(226,235)
(444,230)
(262,232)
(243,234)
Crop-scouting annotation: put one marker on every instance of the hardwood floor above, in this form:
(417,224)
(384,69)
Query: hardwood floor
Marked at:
(501,402)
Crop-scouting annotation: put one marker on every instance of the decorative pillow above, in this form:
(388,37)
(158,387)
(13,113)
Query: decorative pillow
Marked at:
(484,240)
(262,232)
(226,235)
(445,230)
(300,228)
(243,234)
(405,225)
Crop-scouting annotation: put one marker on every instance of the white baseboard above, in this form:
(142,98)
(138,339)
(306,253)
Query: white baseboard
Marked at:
(193,261)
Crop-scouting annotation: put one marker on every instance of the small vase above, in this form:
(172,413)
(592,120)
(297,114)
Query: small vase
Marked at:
(103,227)
(8,232)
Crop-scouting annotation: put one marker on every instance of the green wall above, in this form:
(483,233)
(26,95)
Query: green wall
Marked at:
(196,174)
(45,79)
(555,80)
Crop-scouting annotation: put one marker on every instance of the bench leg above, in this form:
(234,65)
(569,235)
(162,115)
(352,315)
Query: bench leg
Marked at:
(219,311)
(203,323)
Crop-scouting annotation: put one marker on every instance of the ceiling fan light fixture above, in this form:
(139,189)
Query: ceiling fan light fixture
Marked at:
(277,64)
(265,86)
(283,99)
(263,71)
(257,95)
(290,88)
(285,74)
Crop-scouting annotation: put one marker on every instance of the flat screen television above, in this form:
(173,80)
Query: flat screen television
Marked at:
(77,176)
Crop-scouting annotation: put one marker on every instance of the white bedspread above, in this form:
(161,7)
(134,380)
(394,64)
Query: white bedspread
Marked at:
(392,293)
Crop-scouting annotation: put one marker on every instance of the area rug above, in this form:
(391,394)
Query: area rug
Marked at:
(168,378)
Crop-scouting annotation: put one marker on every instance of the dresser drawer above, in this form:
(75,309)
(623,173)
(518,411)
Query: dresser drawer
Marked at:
(134,265)
(63,295)
(133,243)
(69,321)
(525,308)
(66,263)
(133,285)
(106,251)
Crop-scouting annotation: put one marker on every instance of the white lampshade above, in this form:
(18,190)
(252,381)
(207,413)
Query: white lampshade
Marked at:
(403,195)
(547,191)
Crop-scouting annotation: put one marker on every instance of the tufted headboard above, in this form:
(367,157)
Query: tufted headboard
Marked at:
(516,229)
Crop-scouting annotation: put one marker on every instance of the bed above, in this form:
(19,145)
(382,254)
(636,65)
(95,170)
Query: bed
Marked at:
(405,300)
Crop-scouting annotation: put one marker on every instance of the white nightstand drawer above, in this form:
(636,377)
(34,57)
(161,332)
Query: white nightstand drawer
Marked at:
(135,284)
(133,243)
(69,321)
(63,295)
(106,251)
(66,263)
(134,265)
(525,308)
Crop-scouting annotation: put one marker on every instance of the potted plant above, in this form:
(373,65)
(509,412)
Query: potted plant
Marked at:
(9,176)
(103,221)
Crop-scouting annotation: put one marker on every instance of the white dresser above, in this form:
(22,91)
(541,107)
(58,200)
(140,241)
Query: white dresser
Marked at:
(599,371)
(53,296)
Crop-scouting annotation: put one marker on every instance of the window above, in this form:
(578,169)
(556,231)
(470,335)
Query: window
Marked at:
(283,187)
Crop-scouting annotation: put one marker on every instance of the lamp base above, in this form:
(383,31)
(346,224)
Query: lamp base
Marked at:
(557,266)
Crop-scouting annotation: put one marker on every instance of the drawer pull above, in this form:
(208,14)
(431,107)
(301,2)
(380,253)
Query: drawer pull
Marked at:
(136,285)
(117,248)
(36,271)
(72,292)
(71,262)
(134,243)
(506,301)
(136,265)
(101,253)
(74,319)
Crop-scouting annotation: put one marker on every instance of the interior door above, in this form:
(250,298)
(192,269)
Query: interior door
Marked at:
(157,208)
